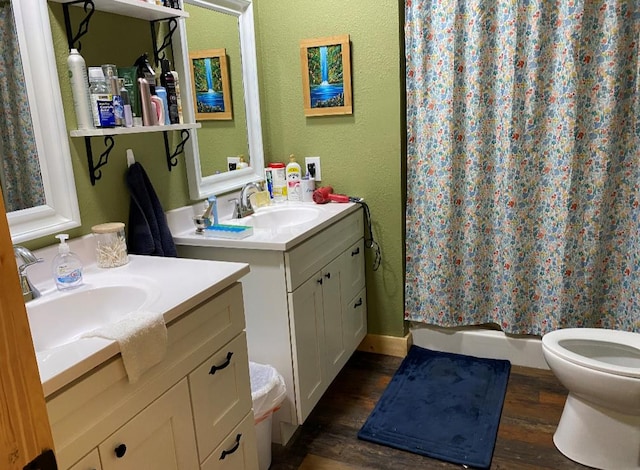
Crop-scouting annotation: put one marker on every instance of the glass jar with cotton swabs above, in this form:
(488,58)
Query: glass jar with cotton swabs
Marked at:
(111,245)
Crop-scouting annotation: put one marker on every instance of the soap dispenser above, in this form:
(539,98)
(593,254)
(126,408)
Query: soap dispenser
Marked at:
(67,267)
(293,175)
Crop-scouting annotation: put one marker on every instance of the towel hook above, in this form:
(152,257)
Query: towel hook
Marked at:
(130,158)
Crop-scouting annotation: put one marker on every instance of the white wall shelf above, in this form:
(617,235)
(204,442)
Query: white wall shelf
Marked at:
(133,8)
(131,130)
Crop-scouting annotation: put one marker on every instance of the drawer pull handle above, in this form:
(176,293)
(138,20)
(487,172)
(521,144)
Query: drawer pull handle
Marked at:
(358,303)
(120,450)
(328,275)
(355,252)
(233,449)
(225,364)
(319,281)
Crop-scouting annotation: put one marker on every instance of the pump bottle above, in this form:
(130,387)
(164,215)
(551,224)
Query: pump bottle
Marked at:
(67,267)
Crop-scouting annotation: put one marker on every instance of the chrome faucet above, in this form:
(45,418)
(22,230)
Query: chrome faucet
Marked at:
(243,205)
(29,291)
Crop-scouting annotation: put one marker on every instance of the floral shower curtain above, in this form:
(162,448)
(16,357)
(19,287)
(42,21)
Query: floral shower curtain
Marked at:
(523,185)
(20,177)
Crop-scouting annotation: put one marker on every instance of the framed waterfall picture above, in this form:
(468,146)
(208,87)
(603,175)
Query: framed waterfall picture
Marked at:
(210,81)
(326,75)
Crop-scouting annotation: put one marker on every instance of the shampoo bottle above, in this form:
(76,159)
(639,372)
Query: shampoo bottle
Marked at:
(67,267)
(293,172)
(80,89)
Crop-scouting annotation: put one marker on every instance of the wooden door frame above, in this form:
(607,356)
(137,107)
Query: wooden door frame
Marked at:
(25,432)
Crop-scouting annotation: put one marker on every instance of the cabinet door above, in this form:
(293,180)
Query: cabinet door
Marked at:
(305,307)
(332,303)
(238,451)
(220,394)
(160,437)
(89,462)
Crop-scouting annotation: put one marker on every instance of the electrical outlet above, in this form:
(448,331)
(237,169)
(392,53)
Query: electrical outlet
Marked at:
(316,162)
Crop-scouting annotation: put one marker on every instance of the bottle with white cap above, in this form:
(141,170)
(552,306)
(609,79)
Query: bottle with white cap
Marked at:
(67,267)
(80,89)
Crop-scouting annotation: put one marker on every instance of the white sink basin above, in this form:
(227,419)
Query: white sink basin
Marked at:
(280,217)
(60,318)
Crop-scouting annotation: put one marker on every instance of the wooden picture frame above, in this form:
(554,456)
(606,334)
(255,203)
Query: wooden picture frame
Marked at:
(210,81)
(326,75)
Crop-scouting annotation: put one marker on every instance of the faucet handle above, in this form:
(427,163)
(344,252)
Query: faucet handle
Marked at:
(237,211)
(25,265)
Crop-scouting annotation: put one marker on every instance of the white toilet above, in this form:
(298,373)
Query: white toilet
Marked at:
(600,424)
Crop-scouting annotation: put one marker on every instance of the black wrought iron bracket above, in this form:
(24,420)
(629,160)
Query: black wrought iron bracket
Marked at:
(95,173)
(172,159)
(83,27)
(167,41)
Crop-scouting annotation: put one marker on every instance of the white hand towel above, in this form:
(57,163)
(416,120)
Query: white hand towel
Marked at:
(142,337)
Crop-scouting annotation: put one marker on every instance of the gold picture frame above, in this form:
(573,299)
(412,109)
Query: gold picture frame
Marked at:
(210,81)
(326,75)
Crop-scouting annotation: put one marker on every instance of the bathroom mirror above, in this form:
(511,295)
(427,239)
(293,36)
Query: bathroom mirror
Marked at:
(60,211)
(202,184)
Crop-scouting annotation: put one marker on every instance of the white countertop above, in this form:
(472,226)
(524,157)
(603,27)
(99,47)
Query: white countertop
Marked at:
(181,284)
(273,238)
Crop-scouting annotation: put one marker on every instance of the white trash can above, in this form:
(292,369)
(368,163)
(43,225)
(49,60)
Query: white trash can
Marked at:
(267,392)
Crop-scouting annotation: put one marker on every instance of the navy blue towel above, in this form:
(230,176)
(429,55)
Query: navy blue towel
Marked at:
(149,232)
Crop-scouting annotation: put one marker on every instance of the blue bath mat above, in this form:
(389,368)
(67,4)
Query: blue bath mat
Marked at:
(441,405)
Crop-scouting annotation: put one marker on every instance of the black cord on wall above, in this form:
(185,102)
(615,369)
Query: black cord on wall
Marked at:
(369,242)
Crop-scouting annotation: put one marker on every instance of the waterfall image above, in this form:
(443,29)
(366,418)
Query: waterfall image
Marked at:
(207,76)
(326,76)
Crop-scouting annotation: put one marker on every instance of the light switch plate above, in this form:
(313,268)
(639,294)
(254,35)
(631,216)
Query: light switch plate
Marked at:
(315,160)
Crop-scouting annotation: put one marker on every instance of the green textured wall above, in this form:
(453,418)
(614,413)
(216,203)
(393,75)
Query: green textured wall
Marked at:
(360,153)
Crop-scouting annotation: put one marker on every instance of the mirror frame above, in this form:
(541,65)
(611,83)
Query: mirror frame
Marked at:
(201,186)
(61,212)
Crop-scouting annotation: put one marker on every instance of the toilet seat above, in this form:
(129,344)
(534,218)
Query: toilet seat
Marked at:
(622,341)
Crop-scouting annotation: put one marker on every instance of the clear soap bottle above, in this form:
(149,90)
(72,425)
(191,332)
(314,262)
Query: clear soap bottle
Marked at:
(67,267)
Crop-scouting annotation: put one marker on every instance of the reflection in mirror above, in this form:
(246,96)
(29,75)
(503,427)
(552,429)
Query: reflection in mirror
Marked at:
(223,24)
(208,29)
(20,177)
(40,152)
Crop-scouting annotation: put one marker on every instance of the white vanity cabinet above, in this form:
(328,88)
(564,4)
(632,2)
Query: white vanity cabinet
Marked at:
(305,309)
(191,411)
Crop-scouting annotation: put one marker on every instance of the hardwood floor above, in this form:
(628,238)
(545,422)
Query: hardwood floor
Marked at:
(328,439)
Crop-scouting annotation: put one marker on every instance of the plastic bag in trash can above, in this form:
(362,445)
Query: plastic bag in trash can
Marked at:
(267,389)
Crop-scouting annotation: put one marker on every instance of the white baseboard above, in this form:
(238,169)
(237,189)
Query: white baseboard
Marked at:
(390,345)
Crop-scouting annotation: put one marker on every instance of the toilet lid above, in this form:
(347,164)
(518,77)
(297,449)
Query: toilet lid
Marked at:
(610,351)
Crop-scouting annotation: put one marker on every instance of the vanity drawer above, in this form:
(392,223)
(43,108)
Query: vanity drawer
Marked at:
(239,447)
(220,394)
(309,257)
